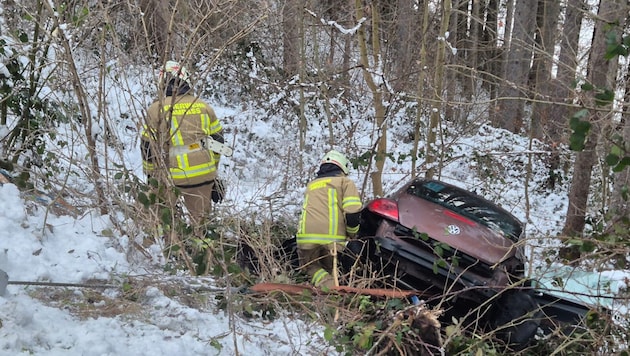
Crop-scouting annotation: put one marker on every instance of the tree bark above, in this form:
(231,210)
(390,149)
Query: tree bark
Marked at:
(377,95)
(548,11)
(490,54)
(513,92)
(156,22)
(436,112)
(291,14)
(620,202)
(420,91)
(556,124)
(599,74)
(401,25)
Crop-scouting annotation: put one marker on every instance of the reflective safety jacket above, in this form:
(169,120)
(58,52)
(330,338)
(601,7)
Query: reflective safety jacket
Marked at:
(182,123)
(326,202)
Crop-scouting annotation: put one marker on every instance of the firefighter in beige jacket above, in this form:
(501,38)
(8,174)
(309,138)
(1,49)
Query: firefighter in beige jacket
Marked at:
(330,214)
(177,128)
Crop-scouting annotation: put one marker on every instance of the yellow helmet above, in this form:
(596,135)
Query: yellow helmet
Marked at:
(337,159)
(175,70)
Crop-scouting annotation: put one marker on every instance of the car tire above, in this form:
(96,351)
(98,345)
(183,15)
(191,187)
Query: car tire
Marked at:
(516,317)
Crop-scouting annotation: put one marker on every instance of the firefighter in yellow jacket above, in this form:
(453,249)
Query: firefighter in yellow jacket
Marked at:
(330,214)
(176,133)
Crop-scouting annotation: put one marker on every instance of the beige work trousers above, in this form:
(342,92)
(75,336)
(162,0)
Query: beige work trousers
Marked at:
(198,202)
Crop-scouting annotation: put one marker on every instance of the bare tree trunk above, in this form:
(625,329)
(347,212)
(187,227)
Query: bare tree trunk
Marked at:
(420,91)
(509,21)
(559,92)
(436,112)
(300,62)
(453,77)
(567,64)
(323,70)
(291,14)
(513,91)
(501,62)
(402,44)
(490,63)
(599,74)
(476,22)
(156,20)
(620,202)
(460,37)
(548,12)
(377,95)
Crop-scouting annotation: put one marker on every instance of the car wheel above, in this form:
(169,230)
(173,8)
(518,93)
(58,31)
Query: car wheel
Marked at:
(516,317)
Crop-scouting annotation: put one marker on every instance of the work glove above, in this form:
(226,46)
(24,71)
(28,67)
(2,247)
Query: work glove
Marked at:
(218,191)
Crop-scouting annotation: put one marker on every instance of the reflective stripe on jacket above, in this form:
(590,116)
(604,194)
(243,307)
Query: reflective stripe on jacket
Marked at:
(326,202)
(184,122)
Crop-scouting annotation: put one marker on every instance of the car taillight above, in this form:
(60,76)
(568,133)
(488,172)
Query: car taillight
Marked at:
(384,207)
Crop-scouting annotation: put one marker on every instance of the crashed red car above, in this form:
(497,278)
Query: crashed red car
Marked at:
(437,238)
(454,247)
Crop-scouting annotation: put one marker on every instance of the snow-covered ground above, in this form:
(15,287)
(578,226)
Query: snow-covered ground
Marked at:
(62,249)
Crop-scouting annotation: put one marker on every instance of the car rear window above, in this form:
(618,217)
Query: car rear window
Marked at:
(468,205)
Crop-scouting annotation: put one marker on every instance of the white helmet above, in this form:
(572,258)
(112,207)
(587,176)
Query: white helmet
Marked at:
(176,70)
(337,159)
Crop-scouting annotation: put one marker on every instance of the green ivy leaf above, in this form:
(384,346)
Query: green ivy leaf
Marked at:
(580,130)
(364,339)
(576,142)
(574,242)
(605,97)
(216,344)
(126,287)
(614,47)
(455,261)
(587,246)
(587,87)
(165,215)
(142,198)
(612,159)
(625,162)
(581,114)
(328,334)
